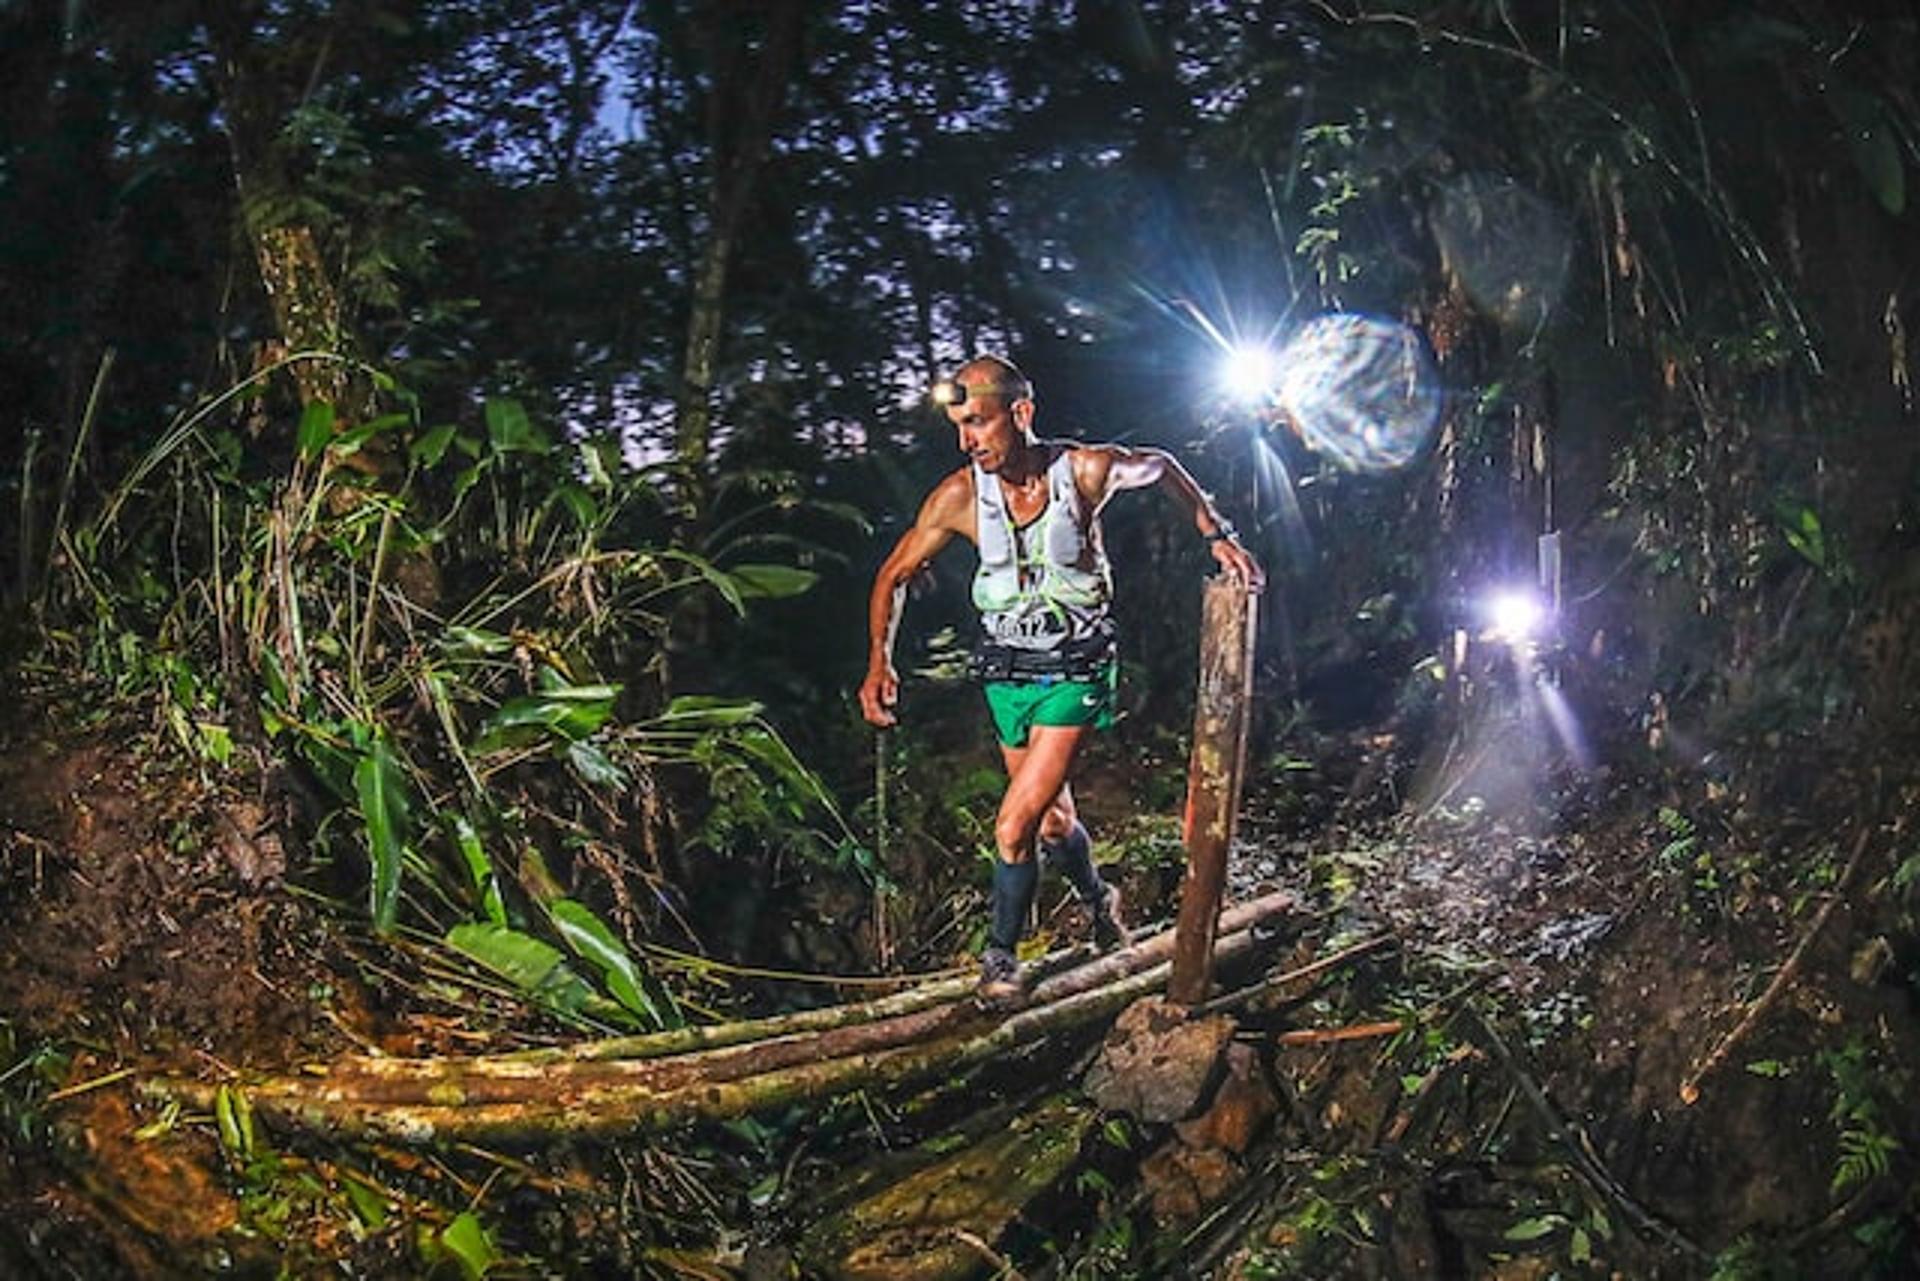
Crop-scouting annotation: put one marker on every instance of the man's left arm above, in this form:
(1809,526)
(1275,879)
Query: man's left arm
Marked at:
(1105,470)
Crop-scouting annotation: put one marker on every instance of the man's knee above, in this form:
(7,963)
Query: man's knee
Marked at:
(1056,823)
(1014,831)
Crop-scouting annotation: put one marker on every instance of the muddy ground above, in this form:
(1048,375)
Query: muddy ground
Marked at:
(1570,946)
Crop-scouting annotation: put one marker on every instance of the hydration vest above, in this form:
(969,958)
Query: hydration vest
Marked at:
(1046,585)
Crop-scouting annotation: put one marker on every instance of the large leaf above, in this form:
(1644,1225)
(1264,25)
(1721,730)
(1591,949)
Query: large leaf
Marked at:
(468,478)
(579,502)
(772,582)
(316,428)
(594,943)
(479,869)
(511,431)
(1534,1229)
(537,968)
(350,441)
(563,713)
(382,790)
(431,446)
(706,712)
(595,766)
(717,578)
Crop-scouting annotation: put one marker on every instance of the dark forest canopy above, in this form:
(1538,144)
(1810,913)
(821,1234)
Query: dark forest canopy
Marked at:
(465,432)
(520,195)
(736,234)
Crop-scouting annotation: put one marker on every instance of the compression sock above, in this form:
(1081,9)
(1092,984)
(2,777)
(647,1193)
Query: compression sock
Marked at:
(1013,885)
(1072,857)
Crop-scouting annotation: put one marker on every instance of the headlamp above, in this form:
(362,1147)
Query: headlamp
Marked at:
(947,392)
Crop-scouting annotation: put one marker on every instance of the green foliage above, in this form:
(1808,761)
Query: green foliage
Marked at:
(485,882)
(1533,1229)
(427,725)
(233,1115)
(468,1243)
(1329,161)
(385,808)
(1907,874)
(510,431)
(559,715)
(594,943)
(1866,1148)
(1693,863)
(1744,1260)
(539,971)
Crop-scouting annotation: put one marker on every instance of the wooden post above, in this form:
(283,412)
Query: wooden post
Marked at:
(1222,710)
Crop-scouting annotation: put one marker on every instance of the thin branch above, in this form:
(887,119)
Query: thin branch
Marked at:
(1782,980)
(1574,1141)
(1329,1035)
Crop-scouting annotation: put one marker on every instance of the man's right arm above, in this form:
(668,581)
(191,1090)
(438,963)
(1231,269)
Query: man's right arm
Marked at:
(939,520)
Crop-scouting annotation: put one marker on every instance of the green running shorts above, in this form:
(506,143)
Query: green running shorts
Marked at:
(1017,706)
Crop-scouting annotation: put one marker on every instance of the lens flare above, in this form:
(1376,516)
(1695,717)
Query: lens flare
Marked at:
(1248,373)
(1361,391)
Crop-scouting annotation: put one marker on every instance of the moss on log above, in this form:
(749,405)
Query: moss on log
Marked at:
(509,1098)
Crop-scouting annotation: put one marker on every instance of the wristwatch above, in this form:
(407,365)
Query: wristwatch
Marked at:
(1223,531)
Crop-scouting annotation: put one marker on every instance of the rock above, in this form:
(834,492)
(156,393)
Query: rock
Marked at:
(1242,1104)
(1157,1061)
(1183,1181)
(250,844)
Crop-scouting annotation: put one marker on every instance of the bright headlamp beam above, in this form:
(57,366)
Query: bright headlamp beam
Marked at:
(1249,372)
(1514,615)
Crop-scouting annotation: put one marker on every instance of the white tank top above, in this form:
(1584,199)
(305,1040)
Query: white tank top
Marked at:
(1045,584)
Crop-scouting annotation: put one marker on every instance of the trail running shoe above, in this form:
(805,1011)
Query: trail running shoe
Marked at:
(1109,931)
(999,977)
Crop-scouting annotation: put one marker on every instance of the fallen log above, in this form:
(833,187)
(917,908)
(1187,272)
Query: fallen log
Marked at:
(460,1080)
(498,1100)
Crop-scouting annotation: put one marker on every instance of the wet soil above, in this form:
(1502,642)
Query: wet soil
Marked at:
(148,928)
(1621,919)
(1614,921)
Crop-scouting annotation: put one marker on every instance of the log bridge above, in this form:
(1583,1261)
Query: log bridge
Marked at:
(659,1081)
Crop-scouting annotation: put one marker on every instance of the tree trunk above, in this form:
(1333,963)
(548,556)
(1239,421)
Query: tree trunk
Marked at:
(747,91)
(301,292)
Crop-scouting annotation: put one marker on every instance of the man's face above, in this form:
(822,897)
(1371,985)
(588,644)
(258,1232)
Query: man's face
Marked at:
(989,427)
